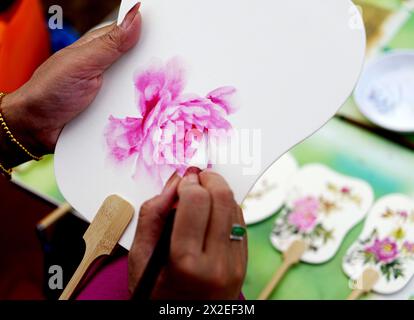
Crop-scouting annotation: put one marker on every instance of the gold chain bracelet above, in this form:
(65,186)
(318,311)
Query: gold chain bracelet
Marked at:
(6,172)
(6,129)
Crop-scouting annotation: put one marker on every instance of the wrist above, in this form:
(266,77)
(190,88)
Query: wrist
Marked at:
(14,108)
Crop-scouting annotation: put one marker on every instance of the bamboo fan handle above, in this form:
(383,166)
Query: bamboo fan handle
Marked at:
(366,282)
(77,277)
(101,237)
(277,277)
(291,257)
(355,295)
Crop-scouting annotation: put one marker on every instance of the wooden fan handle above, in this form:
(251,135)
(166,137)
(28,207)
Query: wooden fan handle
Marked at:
(367,281)
(77,277)
(277,277)
(356,294)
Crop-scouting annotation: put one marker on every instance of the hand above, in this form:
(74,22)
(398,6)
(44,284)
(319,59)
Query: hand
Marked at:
(204,263)
(66,84)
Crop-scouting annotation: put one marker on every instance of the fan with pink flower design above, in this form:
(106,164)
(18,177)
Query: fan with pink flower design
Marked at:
(229,85)
(386,246)
(322,206)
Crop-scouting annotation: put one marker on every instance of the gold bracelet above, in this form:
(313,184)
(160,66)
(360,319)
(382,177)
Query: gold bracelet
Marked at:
(6,172)
(3,124)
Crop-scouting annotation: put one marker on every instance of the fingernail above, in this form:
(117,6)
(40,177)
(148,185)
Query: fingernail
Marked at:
(172,178)
(130,16)
(192,170)
(191,175)
(192,178)
(171,184)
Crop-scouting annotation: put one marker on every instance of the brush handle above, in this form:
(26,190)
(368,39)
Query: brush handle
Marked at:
(157,261)
(277,277)
(79,274)
(54,216)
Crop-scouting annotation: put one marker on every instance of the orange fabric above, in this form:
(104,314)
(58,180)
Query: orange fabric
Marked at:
(24,43)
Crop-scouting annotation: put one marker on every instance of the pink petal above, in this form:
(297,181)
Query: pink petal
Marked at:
(123,137)
(223,97)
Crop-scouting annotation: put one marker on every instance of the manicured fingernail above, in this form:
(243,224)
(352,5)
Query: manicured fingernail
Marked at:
(191,175)
(192,178)
(172,178)
(171,184)
(192,170)
(130,16)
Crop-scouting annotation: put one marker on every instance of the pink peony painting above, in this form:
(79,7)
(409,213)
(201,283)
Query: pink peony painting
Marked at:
(384,251)
(170,125)
(304,215)
(390,252)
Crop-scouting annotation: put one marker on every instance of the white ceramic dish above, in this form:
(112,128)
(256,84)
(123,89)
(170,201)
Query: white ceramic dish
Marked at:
(385,92)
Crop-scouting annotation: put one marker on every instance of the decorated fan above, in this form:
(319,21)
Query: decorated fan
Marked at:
(233,84)
(322,207)
(382,259)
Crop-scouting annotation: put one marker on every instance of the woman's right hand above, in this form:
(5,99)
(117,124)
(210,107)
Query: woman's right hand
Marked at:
(204,263)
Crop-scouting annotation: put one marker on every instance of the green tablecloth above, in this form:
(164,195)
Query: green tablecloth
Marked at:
(351,151)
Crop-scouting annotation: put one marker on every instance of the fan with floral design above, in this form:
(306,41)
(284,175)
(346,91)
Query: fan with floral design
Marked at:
(386,246)
(322,207)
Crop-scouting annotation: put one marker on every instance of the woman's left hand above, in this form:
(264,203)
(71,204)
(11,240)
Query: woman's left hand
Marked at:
(66,84)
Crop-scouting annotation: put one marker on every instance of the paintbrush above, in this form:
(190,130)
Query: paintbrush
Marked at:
(159,257)
(157,261)
(161,251)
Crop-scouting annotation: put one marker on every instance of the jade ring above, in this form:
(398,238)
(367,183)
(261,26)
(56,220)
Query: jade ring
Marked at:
(237,232)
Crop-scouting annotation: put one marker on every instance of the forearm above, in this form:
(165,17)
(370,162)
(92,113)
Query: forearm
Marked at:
(14,109)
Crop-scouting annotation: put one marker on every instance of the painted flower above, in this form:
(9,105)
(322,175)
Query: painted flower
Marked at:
(403,214)
(346,190)
(384,251)
(304,215)
(408,247)
(171,125)
(398,233)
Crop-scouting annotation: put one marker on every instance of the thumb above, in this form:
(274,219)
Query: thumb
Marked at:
(107,48)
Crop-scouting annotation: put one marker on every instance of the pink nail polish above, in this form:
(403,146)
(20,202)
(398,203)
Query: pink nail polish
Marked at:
(171,184)
(192,170)
(130,16)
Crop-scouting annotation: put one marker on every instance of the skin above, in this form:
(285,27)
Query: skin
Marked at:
(70,79)
(204,263)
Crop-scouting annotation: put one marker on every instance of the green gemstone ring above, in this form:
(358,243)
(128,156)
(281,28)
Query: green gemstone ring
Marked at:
(237,232)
